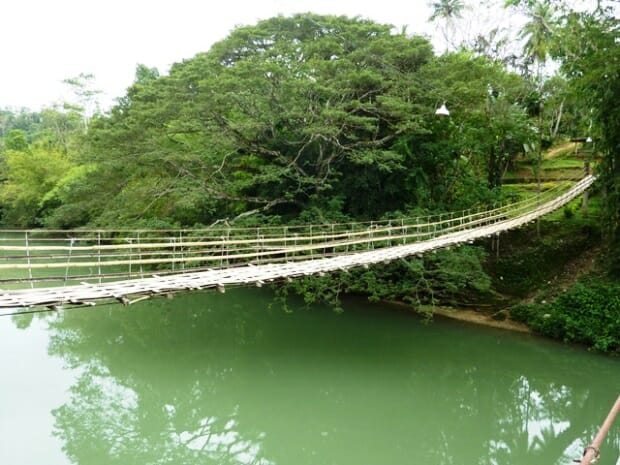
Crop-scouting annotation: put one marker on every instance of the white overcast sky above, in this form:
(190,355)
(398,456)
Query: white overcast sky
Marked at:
(43,42)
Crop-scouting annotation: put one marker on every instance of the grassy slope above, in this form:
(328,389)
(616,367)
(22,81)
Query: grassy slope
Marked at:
(528,265)
(553,282)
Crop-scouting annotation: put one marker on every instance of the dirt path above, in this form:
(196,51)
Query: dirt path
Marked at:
(555,151)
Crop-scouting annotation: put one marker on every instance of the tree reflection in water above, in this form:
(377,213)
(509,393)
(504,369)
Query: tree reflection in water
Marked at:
(209,379)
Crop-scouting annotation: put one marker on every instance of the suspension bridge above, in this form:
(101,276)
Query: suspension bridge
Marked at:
(56,269)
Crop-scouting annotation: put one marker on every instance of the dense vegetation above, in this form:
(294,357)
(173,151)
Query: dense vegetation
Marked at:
(312,119)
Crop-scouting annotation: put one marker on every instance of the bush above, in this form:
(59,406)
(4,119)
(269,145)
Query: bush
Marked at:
(523,313)
(588,313)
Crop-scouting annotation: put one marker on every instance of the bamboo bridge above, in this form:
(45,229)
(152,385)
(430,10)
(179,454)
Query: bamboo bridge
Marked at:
(56,269)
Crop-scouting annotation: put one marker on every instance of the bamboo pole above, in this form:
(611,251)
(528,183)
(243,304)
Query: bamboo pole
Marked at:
(592,453)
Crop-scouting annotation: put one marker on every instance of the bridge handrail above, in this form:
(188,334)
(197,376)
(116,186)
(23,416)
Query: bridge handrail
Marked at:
(233,229)
(105,249)
(251,238)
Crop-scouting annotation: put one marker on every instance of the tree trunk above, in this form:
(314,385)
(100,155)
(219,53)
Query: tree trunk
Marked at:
(556,128)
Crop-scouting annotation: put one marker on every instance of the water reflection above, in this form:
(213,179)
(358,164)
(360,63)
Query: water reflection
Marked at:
(227,380)
(105,422)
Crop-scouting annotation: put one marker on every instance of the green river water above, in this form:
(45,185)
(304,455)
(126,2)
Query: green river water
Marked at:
(207,378)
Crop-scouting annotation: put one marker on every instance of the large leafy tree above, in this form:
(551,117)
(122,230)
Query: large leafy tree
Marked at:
(33,160)
(591,61)
(308,118)
(269,119)
(30,175)
(488,124)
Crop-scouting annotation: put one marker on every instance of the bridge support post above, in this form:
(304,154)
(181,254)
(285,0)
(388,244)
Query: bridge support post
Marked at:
(584,205)
(28,260)
(181,246)
(174,252)
(71,241)
(130,240)
(140,255)
(99,255)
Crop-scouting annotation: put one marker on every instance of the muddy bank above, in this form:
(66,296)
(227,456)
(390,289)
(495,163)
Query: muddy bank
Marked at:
(470,316)
(479,318)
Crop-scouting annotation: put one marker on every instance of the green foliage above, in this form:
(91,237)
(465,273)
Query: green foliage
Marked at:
(444,277)
(29,177)
(26,121)
(538,32)
(591,61)
(303,117)
(16,141)
(488,125)
(61,212)
(588,313)
(527,263)
(266,120)
(568,212)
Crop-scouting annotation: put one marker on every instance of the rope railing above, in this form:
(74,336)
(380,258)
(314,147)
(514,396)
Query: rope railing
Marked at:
(96,256)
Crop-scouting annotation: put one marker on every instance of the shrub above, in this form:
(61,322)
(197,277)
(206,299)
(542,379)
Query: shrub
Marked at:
(588,313)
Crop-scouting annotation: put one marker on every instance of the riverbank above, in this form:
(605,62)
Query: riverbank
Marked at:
(469,316)
(479,318)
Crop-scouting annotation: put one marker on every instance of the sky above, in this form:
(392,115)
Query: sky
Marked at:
(44,42)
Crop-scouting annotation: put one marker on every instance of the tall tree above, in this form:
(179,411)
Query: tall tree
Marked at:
(306,118)
(591,61)
(85,93)
(538,34)
(448,12)
(268,120)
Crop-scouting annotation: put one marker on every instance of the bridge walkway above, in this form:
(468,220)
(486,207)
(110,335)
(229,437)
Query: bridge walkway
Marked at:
(68,268)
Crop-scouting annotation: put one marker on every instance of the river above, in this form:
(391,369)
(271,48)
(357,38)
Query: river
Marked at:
(207,378)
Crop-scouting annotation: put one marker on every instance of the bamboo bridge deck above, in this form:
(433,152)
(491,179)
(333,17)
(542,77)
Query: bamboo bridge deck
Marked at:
(42,268)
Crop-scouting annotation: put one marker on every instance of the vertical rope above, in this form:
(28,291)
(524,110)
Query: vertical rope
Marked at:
(222,246)
(182,250)
(29,262)
(324,239)
(99,255)
(140,255)
(130,240)
(228,246)
(71,241)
